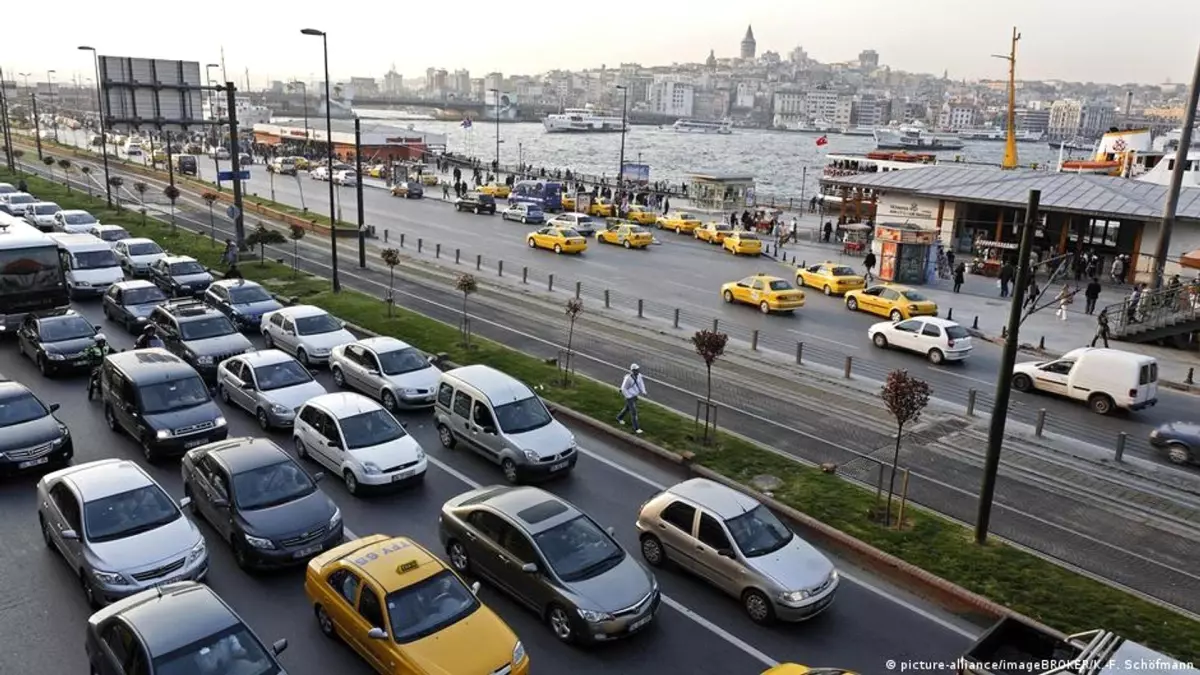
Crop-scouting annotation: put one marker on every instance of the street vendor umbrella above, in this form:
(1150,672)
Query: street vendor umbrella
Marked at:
(1191,259)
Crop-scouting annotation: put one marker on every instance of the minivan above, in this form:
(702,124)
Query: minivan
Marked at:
(502,419)
(1106,379)
(90,264)
(186,164)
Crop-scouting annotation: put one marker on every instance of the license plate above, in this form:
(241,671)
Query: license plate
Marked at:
(193,444)
(640,623)
(402,475)
(307,551)
(79,362)
(560,466)
(170,580)
(33,462)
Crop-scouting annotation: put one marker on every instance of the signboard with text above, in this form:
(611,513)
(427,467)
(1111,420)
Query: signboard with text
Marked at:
(638,173)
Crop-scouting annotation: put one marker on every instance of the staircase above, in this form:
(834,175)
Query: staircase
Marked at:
(1165,313)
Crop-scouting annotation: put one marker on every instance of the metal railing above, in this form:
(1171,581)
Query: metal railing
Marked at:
(1162,308)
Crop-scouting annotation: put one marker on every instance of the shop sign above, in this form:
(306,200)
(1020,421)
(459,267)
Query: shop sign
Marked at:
(913,210)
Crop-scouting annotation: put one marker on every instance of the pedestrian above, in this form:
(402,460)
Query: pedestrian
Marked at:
(1064,298)
(812,204)
(869,264)
(22,186)
(1135,298)
(445,191)
(1031,293)
(828,231)
(1101,329)
(1090,295)
(230,256)
(960,275)
(1007,272)
(633,386)
(1118,270)
(950,259)
(795,230)
(233,272)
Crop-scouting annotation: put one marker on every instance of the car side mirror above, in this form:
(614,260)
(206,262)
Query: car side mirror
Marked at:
(70,535)
(529,568)
(489,430)
(54,407)
(185,502)
(220,502)
(248,386)
(475,588)
(318,476)
(97,328)
(279,646)
(377,634)
(725,553)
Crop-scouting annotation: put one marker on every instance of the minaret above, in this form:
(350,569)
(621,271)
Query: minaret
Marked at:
(712,59)
(748,44)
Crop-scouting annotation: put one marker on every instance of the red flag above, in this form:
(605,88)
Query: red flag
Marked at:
(822,140)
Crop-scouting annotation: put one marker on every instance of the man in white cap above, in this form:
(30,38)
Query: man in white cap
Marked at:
(632,387)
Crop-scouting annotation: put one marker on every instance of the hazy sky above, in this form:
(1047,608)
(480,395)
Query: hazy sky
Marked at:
(1116,41)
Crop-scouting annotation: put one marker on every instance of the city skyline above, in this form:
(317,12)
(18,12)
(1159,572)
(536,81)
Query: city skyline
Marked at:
(1068,41)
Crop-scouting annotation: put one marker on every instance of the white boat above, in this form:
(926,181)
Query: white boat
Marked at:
(858,131)
(915,137)
(582,120)
(1169,141)
(993,134)
(1160,173)
(703,126)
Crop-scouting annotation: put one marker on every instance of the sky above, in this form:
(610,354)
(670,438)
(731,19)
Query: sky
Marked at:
(1115,41)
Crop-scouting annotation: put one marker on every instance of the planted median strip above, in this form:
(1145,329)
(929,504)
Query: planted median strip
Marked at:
(1021,581)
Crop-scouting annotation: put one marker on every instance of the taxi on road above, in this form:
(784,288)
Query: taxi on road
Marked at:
(602,207)
(625,234)
(742,243)
(679,221)
(891,300)
(831,278)
(404,611)
(641,215)
(568,201)
(557,239)
(797,669)
(427,179)
(301,163)
(713,232)
(768,293)
(498,190)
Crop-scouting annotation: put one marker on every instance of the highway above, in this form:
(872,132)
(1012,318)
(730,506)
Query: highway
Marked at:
(42,612)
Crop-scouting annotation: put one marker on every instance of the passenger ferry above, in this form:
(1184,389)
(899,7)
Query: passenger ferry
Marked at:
(993,134)
(703,127)
(582,120)
(915,137)
(1118,153)
(1159,172)
(858,131)
(872,162)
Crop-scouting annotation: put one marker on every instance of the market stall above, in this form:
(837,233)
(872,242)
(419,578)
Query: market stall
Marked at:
(989,256)
(903,251)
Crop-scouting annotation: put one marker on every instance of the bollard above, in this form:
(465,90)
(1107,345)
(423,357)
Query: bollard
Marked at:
(1041,423)
(1042,343)
(457,256)
(716,322)
(500,268)
(849,366)
(950,314)
(606,305)
(1188,379)
(524,275)
(479,261)
(754,340)
(437,251)
(799,352)
(1004,332)
(401,240)
(971,393)
(975,325)
(639,308)
(1121,446)
(385,235)
(550,283)
(677,317)
(803,264)
(578,289)
(420,244)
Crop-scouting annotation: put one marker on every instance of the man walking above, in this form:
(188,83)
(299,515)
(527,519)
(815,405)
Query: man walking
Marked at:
(1091,294)
(1007,272)
(869,265)
(1101,329)
(633,386)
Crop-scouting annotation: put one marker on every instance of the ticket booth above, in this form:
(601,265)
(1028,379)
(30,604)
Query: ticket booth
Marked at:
(905,252)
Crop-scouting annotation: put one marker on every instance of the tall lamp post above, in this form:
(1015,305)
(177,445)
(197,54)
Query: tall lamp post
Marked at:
(496,97)
(213,98)
(307,135)
(54,100)
(103,126)
(333,254)
(624,107)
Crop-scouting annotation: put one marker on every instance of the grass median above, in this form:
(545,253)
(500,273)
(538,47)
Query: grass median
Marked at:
(1026,583)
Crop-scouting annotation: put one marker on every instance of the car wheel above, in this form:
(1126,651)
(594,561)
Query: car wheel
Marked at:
(653,552)
(852,304)
(678,230)
(828,290)
(302,357)
(758,607)
(43,366)
(560,624)
(459,559)
(110,419)
(389,401)
(1101,404)
(880,340)
(89,593)
(268,341)
(351,481)
(728,295)
(239,553)
(446,436)
(509,468)
(558,249)
(1022,382)
(1177,453)
(264,421)
(223,393)
(895,316)
(764,307)
(936,357)
(627,244)
(532,244)
(148,450)
(339,378)
(325,623)
(301,449)
(45,532)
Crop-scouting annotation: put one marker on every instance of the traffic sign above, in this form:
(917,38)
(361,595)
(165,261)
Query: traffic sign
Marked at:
(233,212)
(229,175)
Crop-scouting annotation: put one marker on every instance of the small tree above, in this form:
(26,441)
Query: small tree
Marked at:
(296,233)
(116,182)
(261,238)
(391,258)
(466,284)
(209,197)
(574,308)
(905,397)
(65,165)
(172,194)
(140,188)
(87,177)
(17,155)
(49,162)
(710,345)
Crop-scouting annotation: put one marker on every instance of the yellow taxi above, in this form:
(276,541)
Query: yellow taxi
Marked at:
(713,232)
(376,171)
(158,156)
(602,207)
(568,201)
(302,164)
(797,669)
(625,234)
(497,190)
(557,239)
(831,278)
(404,611)
(429,179)
(742,243)
(891,300)
(641,215)
(679,221)
(768,293)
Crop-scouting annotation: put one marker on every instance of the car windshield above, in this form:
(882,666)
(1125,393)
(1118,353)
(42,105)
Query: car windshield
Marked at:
(146,295)
(780,285)
(524,415)
(429,606)
(114,234)
(79,219)
(95,260)
(233,651)
(271,485)
(145,248)
(46,209)
(578,549)
(280,375)
(401,361)
(21,199)
(369,429)
(957,332)
(246,295)
(209,327)
(316,325)
(638,230)
(758,532)
(913,296)
(841,271)
(23,407)
(186,268)
(128,513)
(173,395)
(65,328)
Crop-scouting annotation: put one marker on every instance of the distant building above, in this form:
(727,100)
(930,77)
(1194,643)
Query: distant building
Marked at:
(393,82)
(958,116)
(744,97)
(460,81)
(829,106)
(364,86)
(788,108)
(1033,121)
(711,61)
(868,59)
(1065,116)
(494,81)
(749,46)
(869,110)
(669,97)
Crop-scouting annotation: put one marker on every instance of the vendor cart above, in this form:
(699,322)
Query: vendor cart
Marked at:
(989,256)
(856,238)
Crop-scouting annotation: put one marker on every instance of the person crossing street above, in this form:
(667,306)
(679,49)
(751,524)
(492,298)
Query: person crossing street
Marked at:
(633,387)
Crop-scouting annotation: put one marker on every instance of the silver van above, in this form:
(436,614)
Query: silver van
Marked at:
(503,420)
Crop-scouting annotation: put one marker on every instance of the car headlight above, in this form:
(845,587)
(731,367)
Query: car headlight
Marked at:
(317,351)
(531,455)
(249,350)
(336,519)
(162,434)
(64,434)
(1155,435)
(280,409)
(260,542)
(142,319)
(204,360)
(220,421)
(54,357)
(420,454)
(371,468)
(592,616)
(196,553)
(518,653)
(110,578)
(574,443)
(793,597)
(409,391)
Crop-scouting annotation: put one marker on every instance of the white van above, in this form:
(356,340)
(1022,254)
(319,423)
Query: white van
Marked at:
(1107,379)
(90,264)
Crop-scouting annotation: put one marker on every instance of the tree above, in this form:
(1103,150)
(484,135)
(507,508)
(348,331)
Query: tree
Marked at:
(905,397)
(296,233)
(261,238)
(17,155)
(209,197)
(391,258)
(710,345)
(65,165)
(574,308)
(49,162)
(87,177)
(172,193)
(116,182)
(140,188)
(466,284)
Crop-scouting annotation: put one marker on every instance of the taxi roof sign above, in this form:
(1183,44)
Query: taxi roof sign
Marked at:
(407,566)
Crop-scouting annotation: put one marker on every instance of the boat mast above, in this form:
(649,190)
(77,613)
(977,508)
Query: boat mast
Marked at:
(1010,141)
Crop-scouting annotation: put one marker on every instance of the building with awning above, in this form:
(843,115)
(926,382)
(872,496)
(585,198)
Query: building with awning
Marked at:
(382,142)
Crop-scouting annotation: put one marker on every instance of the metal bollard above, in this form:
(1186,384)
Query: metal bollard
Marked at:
(1121,437)
(950,314)
(849,366)
(437,251)
(420,244)
(640,308)
(385,235)
(500,268)
(716,322)
(1042,343)
(578,289)
(606,305)
(975,324)
(1188,379)
(799,352)
(971,394)
(1041,423)
(479,261)
(754,340)
(401,240)
(550,283)
(677,317)
(457,256)
(524,275)
(1004,332)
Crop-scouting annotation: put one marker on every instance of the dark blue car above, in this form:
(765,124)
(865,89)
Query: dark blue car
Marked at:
(244,302)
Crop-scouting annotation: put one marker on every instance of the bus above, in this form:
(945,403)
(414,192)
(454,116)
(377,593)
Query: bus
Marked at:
(546,194)
(31,273)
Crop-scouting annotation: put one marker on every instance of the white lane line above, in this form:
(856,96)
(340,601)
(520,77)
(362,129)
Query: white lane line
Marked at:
(840,344)
(945,371)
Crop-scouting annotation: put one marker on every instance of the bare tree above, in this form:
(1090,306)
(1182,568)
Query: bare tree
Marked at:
(391,258)
(65,165)
(116,182)
(209,198)
(172,193)
(905,397)
(574,308)
(87,177)
(466,284)
(140,188)
(296,233)
(710,345)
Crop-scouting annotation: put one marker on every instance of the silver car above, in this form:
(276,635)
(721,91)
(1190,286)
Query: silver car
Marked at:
(305,331)
(387,369)
(268,384)
(730,540)
(551,557)
(118,529)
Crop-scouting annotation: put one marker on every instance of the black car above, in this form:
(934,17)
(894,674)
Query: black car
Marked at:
(180,276)
(408,189)
(261,501)
(199,334)
(57,341)
(30,435)
(160,401)
(184,627)
(1179,441)
(244,302)
(130,303)
(477,202)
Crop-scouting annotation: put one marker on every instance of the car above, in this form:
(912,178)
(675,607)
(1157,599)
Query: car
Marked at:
(427,179)
(602,207)
(625,234)
(891,300)
(268,384)
(90,266)
(180,276)
(301,163)
(940,340)
(1179,441)
(75,221)
(735,543)
(137,254)
(15,203)
(678,221)
(361,442)
(41,215)
(319,173)
(433,623)
(742,243)
(1107,380)
(568,201)
(580,222)
(284,166)
(31,436)
(109,233)
(408,189)
(7,189)
(130,303)
(218,153)
(551,557)
(557,239)
(198,334)
(182,627)
(347,177)
(390,370)
(641,215)
(768,293)
(58,341)
(713,232)
(244,302)
(830,277)
(497,190)
(476,202)
(797,669)
(160,401)
(524,213)
(309,333)
(261,501)
(118,530)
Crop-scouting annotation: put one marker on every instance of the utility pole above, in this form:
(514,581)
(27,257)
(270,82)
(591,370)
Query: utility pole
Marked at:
(358,188)
(37,124)
(991,467)
(235,165)
(496,96)
(621,160)
(1010,141)
(1181,160)
(53,102)
(8,155)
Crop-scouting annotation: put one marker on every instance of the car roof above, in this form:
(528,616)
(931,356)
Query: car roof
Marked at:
(41,203)
(236,283)
(138,240)
(69,212)
(107,226)
(767,277)
(151,366)
(176,617)
(384,344)
(937,321)
(245,453)
(392,568)
(345,404)
(104,478)
(178,258)
(12,388)
(499,387)
(301,311)
(134,283)
(545,509)
(723,501)
(265,357)
(56,313)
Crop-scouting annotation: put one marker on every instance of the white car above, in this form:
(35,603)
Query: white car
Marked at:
(319,173)
(938,339)
(218,153)
(309,333)
(358,440)
(267,384)
(580,222)
(75,221)
(109,233)
(390,370)
(137,254)
(347,177)
(15,203)
(41,215)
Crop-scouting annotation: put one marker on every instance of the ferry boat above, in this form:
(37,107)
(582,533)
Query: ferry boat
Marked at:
(873,162)
(1169,142)
(582,120)
(858,131)
(814,127)
(1073,145)
(993,134)
(688,126)
(248,113)
(1116,154)
(1159,172)
(915,137)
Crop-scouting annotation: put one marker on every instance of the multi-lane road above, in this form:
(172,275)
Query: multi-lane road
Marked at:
(42,612)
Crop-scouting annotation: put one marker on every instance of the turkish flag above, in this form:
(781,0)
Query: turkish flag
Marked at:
(822,141)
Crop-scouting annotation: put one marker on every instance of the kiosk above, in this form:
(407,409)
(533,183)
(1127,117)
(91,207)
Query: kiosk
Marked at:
(722,193)
(904,252)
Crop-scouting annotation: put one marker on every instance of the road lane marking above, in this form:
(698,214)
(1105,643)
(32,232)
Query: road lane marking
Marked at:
(945,371)
(842,345)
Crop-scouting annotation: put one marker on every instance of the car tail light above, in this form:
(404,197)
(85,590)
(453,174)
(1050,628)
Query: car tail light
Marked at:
(950,343)
(1133,393)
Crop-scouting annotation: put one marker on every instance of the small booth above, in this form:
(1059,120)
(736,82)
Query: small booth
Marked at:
(722,193)
(904,252)
(989,256)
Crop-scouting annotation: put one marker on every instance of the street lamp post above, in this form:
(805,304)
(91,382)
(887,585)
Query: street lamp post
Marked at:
(333,255)
(496,97)
(103,126)
(621,162)
(307,135)
(213,98)
(54,102)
